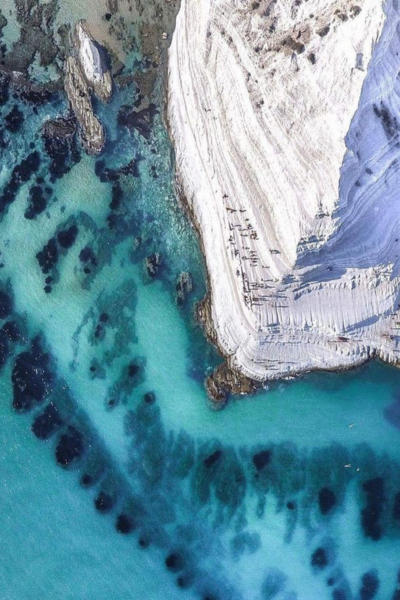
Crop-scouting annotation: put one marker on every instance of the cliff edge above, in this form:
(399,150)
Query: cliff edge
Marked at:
(284,121)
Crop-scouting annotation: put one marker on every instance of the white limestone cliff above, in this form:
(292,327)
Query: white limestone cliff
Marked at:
(287,144)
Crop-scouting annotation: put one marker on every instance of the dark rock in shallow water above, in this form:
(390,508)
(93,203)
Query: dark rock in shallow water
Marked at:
(104,502)
(27,167)
(37,202)
(86,480)
(184,581)
(12,331)
(60,145)
(20,174)
(67,237)
(340,594)
(326,500)
(124,524)
(4,88)
(6,305)
(261,459)
(87,255)
(117,195)
(48,256)
(149,398)
(70,447)
(47,422)
(212,459)
(369,586)
(31,377)
(106,174)
(370,515)
(133,370)
(35,95)
(174,562)
(14,120)
(319,559)
(141,120)
(131,168)
(183,288)
(153,264)
(4,348)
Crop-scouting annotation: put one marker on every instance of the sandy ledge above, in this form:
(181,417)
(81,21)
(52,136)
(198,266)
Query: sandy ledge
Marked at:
(283,120)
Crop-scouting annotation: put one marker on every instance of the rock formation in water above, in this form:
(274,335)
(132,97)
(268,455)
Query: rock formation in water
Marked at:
(284,121)
(86,72)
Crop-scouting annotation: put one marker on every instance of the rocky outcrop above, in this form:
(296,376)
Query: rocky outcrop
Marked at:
(285,134)
(93,61)
(183,288)
(224,382)
(91,129)
(87,73)
(59,137)
(153,264)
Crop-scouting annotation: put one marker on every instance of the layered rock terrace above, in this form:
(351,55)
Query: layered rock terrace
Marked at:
(284,120)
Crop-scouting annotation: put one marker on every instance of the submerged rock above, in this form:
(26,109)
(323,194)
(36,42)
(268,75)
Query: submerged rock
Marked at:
(124,524)
(4,88)
(104,502)
(67,237)
(369,585)
(261,459)
(59,137)
(183,288)
(174,562)
(319,559)
(212,459)
(47,422)
(6,305)
(326,500)
(153,264)
(149,398)
(70,447)
(12,331)
(4,348)
(48,256)
(141,120)
(370,515)
(21,173)
(31,377)
(14,119)
(37,202)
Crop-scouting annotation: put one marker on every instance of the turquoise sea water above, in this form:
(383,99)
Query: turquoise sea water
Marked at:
(293,494)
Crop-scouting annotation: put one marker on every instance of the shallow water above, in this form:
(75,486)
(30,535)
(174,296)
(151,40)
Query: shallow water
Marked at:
(292,494)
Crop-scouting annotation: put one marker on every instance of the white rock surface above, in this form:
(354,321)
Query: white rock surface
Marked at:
(95,71)
(287,142)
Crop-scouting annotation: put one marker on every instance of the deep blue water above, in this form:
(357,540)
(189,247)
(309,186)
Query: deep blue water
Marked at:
(140,490)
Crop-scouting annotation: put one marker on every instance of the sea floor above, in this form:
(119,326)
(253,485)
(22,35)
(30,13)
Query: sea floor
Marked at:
(118,480)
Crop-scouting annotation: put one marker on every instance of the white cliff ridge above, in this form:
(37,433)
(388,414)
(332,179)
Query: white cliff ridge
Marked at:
(284,120)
